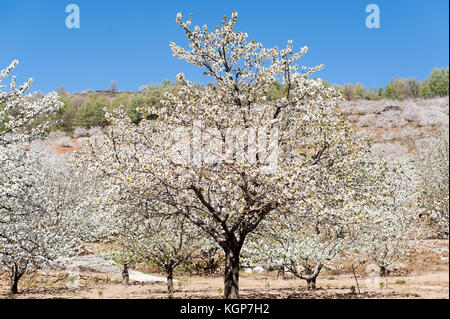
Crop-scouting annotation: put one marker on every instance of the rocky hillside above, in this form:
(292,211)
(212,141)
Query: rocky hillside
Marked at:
(397,128)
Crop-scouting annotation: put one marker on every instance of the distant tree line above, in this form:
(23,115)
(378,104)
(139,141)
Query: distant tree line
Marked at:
(89,111)
(399,88)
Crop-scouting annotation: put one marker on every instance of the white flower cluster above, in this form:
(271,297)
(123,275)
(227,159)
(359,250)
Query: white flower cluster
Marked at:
(42,213)
(42,216)
(20,112)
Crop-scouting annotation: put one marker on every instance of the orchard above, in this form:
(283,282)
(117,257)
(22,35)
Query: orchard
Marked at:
(221,172)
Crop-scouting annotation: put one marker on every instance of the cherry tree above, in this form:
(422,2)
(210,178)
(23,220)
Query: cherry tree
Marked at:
(225,156)
(393,228)
(297,246)
(325,225)
(42,216)
(170,244)
(141,234)
(38,217)
(140,230)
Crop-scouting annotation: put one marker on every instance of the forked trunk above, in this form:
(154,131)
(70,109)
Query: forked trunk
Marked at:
(231,276)
(311,283)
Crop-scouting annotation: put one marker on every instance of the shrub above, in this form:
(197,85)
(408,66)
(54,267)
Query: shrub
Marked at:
(438,82)
(95,131)
(422,144)
(352,118)
(65,116)
(132,109)
(363,135)
(408,133)
(92,113)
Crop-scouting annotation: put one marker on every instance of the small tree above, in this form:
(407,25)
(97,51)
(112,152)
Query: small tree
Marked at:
(139,230)
(400,89)
(170,244)
(348,92)
(359,91)
(392,228)
(380,93)
(300,246)
(92,113)
(414,87)
(324,226)
(151,235)
(113,86)
(439,81)
(426,91)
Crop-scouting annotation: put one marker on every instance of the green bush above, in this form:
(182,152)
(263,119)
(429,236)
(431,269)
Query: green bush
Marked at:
(359,91)
(65,116)
(275,91)
(397,89)
(92,113)
(425,91)
(439,81)
(132,109)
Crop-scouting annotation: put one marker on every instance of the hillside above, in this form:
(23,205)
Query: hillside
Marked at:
(397,128)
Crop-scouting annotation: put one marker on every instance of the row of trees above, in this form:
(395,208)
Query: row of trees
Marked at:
(90,111)
(223,166)
(399,89)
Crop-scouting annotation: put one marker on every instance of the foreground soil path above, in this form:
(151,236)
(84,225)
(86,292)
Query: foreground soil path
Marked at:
(416,286)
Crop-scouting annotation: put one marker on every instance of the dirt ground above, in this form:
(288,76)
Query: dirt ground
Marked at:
(425,276)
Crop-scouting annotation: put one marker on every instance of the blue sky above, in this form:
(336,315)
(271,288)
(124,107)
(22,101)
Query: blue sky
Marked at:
(128,41)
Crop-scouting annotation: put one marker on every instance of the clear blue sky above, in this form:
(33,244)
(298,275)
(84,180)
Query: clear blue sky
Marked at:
(128,41)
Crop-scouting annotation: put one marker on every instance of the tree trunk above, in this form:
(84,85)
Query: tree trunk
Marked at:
(383,271)
(170,282)
(125,275)
(311,283)
(231,275)
(281,272)
(14,286)
(15,277)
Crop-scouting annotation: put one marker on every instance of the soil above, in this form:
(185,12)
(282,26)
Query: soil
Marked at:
(425,276)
